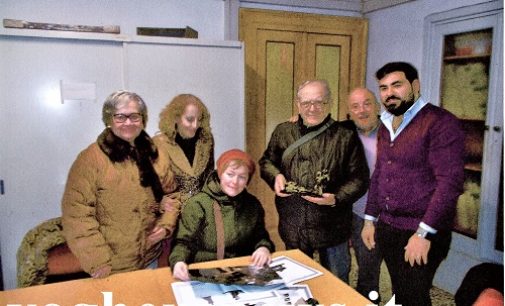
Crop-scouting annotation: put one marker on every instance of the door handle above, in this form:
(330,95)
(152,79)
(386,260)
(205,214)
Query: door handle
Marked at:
(496,128)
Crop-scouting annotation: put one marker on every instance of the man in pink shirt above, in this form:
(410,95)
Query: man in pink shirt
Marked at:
(418,177)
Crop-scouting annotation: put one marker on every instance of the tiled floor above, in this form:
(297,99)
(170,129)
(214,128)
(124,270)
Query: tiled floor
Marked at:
(439,297)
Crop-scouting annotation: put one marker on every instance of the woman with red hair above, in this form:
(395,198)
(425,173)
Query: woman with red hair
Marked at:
(223,220)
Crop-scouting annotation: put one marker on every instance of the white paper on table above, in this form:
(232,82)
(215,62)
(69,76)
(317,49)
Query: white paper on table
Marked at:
(292,271)
(283,295)
(195,293)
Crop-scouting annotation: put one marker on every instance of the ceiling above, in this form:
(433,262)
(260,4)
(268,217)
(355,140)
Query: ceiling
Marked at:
(360,6)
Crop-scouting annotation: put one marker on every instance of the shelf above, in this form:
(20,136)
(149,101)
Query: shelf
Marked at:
(121,38)
(477,167)
(451,58)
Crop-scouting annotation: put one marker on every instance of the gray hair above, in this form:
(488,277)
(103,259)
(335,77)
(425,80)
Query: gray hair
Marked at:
(323,83)
(116,100)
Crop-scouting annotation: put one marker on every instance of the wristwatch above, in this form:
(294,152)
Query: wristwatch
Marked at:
(421,232)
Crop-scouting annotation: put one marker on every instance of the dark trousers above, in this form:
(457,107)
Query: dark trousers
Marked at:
(369,261)
(411,285)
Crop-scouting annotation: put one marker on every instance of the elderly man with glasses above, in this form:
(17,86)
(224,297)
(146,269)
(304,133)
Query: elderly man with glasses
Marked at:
(318,169)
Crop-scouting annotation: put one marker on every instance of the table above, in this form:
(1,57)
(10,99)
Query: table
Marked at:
(152,287)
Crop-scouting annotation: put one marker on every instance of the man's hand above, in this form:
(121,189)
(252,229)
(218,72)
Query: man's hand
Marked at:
(417,250)
(181,271)
(279,185)
(261,257)
(368,234)
(327,199)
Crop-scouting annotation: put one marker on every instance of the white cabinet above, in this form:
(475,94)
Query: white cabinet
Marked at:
(41,136)
(463,65)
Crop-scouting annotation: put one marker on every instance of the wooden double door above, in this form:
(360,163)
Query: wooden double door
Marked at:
(282,50)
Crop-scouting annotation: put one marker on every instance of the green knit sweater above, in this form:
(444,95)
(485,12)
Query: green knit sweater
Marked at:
(244,225)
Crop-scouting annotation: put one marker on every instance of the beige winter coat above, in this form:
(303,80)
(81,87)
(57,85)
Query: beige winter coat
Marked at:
(107,213)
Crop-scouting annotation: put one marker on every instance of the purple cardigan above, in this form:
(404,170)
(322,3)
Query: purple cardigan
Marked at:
(419,176)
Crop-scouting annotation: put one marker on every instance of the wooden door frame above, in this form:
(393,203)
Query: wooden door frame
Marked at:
(253,19)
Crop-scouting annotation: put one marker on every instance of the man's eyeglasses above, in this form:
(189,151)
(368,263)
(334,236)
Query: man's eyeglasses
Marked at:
(316,103)
(120,118)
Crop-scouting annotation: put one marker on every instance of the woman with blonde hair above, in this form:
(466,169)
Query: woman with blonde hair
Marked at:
(186,136)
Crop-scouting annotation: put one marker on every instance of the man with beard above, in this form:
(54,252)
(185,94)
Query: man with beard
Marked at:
(415,186)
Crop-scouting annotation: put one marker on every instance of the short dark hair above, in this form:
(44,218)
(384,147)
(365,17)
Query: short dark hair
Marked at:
(407,68)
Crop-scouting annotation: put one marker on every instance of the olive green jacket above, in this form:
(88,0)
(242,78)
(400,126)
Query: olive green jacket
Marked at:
(244,225)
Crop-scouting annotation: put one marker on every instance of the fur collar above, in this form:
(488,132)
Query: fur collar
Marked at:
(144,154)
(204,154)
(119,150)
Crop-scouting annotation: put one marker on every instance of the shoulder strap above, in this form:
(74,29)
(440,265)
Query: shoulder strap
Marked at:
(306,138)
(218,217)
